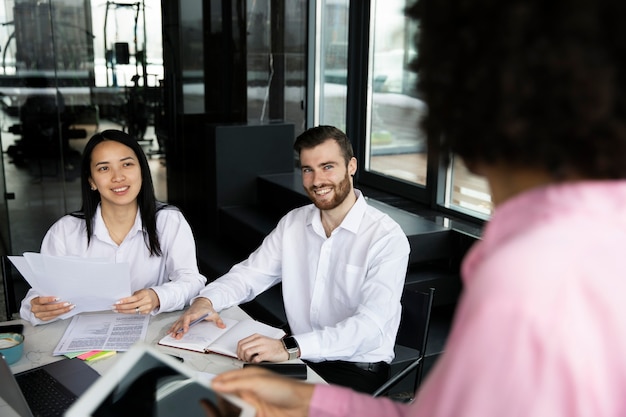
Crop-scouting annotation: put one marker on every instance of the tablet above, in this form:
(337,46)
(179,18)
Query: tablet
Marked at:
(146,382)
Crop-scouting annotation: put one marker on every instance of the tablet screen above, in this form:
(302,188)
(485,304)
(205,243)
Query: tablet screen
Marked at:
(163,392)
(155,386)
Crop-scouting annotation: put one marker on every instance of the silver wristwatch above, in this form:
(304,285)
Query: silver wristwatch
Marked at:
(291,346)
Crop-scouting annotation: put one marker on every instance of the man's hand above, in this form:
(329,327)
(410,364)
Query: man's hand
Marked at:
(48,308)
(271,394)
(198,308)
(141,302)
(258,348)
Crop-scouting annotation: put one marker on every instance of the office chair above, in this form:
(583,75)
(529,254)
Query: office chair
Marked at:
(411,340)
(15,287)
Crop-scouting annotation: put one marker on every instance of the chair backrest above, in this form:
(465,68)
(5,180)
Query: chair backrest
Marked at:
(15,287)
(412,333)
(415,321)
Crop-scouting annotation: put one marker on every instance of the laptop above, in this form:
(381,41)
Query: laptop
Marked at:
(47,390)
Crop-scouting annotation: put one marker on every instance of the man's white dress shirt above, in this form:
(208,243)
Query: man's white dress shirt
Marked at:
(341,293)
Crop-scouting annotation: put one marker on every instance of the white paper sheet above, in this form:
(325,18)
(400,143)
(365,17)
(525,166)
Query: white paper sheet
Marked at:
(103,331)
(89,284)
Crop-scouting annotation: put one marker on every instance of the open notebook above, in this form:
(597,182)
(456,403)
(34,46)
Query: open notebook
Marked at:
(207,337)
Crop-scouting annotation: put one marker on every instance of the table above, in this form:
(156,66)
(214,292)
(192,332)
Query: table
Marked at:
(40,341)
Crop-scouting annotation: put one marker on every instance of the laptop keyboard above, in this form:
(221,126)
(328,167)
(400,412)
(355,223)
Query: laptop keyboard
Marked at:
(44,394)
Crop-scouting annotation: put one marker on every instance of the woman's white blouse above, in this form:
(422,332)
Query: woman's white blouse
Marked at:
(174,275)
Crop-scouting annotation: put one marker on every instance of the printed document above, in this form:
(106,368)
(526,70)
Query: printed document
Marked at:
(89,284)
(103,331)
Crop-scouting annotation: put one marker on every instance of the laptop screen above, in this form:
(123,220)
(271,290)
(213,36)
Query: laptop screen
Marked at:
(10,391)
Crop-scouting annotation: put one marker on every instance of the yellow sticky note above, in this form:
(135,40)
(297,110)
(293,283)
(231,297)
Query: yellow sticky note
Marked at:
(101,355)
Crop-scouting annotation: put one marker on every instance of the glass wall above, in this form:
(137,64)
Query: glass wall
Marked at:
(127,41)
(276,62)
(396,156)
(192,55)
(396,147)
(331,62)
(52,54)
(467,192)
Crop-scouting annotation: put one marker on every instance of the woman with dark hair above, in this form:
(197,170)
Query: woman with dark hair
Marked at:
(122,221)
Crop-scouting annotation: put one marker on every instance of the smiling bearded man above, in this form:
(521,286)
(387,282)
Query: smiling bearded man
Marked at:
(342,265)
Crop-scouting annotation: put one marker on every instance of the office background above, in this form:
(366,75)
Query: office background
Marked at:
(216,91)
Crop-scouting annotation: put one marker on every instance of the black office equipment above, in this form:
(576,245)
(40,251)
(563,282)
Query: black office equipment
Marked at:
(48,390)
(293,370)
(411,339)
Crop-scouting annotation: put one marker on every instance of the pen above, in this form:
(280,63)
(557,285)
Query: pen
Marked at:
(196,321)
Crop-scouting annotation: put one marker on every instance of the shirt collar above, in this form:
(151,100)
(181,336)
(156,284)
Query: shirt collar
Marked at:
(101,232)
(351,222)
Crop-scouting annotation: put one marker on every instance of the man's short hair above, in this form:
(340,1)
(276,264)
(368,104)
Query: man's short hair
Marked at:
(315,136)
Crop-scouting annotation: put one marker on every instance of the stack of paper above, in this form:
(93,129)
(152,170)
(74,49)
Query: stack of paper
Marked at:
(103,331)
(89,284)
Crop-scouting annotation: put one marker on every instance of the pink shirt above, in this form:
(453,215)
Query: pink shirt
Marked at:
(540,330)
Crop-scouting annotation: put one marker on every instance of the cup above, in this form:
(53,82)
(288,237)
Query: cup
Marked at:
(11,346)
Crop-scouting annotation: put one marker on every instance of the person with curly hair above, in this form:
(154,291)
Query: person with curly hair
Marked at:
(529,94)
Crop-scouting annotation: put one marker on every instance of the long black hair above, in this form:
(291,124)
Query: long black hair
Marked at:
(146,199)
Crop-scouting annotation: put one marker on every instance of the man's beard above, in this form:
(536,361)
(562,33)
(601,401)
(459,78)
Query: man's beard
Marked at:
(340,191)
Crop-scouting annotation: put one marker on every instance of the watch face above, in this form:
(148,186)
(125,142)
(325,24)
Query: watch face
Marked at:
(290,343)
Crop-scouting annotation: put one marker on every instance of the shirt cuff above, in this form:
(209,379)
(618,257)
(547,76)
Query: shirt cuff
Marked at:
(309,346)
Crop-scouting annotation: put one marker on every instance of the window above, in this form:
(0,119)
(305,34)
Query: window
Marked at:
(276,64)
(331,66)
(467,192)
(396,147)
(385,121)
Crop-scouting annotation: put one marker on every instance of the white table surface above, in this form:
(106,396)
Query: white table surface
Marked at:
(40,341)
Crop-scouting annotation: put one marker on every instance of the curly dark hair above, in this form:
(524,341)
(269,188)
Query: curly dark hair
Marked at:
(532,83)
(146,200)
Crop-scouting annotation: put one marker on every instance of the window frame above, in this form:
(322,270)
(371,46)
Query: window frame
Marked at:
(358,105)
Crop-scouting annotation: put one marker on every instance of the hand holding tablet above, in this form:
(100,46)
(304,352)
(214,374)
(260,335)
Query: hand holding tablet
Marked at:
(158,384)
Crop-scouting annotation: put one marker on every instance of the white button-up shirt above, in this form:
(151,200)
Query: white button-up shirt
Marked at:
(341,293)
(174,275)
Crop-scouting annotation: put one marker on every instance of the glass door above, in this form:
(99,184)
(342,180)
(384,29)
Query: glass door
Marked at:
(47,113)
(5,231)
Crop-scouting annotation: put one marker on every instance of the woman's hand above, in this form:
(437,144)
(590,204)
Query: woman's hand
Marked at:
(48,308)
(141,302)
(198,308)
(271,394)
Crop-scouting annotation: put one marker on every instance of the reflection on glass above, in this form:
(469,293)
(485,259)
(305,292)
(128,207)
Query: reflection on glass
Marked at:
(152,388)
(468,192)
(52,52)
(276,62)
(333,65)
(192,54)
(397,146)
